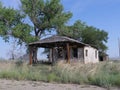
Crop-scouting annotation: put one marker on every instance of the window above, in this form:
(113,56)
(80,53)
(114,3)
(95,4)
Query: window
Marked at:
(95,53)
(86,53)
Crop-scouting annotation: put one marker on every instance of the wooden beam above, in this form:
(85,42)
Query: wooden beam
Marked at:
(30,55)
(68,53)
(52,55)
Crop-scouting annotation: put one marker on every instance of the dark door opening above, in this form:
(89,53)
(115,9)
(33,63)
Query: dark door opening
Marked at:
(75,52)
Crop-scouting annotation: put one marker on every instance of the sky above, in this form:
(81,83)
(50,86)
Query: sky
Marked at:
(102,14)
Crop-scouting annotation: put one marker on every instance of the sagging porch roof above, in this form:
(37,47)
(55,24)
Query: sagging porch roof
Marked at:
(55,41)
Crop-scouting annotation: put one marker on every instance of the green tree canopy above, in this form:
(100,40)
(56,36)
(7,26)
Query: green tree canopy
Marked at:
(73,31)
(95,37)
(87,34)
(45,15)
(12,24)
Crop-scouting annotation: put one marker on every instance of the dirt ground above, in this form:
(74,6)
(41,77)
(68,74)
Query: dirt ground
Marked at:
(32,85)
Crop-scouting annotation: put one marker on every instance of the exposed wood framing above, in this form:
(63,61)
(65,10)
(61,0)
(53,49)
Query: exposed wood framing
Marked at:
(30,55)
(54,55)
(53,43)
(68,53)
(50,55)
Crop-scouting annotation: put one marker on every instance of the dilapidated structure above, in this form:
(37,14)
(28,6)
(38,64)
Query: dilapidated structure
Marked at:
(64,48)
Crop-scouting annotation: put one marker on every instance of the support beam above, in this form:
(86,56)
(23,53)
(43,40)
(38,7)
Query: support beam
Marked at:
(30,55)
(68,53)
(34,50)
(52,55)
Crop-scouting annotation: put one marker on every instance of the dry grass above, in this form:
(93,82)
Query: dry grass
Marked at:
(6,65)
(105,74)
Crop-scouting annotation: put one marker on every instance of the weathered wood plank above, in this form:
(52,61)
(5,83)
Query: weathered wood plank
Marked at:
(68,53)
(30,55)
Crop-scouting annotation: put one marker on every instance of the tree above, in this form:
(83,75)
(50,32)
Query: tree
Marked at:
(12,24)
(87,34)
(45,15)
(95,37)
(73,31)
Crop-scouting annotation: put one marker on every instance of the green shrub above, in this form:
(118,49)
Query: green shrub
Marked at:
(52,77)
(101,80)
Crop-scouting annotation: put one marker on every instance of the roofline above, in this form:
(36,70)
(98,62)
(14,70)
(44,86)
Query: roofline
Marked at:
(76,41)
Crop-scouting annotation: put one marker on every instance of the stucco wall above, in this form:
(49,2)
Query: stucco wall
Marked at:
(91,56)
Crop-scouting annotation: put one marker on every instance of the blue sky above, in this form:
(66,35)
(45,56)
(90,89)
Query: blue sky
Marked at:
(103,14)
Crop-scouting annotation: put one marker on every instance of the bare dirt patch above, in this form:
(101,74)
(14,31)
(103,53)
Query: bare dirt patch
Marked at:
(33,85)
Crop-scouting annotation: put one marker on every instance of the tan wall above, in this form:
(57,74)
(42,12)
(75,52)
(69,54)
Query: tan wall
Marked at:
(91,57)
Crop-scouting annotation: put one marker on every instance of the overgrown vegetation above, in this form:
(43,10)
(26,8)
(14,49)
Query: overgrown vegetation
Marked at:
(105,74)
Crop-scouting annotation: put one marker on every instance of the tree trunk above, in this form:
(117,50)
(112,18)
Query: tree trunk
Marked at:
(37,35)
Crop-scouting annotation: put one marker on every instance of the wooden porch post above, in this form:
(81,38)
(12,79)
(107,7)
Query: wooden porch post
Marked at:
(30,55)
(68,53)
(52,55)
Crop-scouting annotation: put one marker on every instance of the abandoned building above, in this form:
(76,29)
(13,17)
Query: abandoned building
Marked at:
(64,48)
